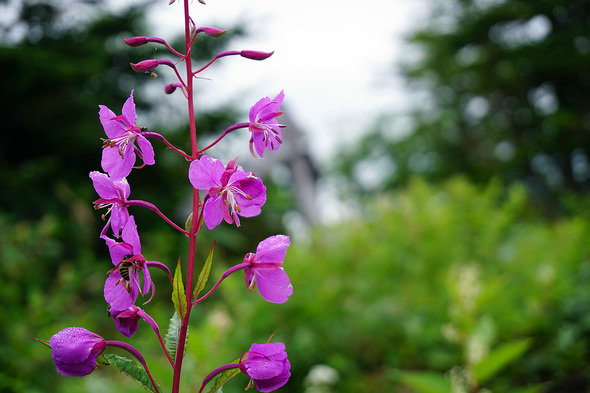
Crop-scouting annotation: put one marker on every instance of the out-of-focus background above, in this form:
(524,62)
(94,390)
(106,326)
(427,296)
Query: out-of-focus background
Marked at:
(434,180)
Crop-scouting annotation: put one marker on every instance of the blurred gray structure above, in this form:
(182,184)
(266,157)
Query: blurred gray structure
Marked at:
(294,156)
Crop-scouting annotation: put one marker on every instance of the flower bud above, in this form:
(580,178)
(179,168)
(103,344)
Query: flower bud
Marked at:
(145,65)
(135,41)
(213,31)
(75,350)
(255,55)
(170,88)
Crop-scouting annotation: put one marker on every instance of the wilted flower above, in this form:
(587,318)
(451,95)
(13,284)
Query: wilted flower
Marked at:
(265,271)
(267,365)
(265,129)
(231,192)
(113,195)
(119,150)
(122,286)
(75,350)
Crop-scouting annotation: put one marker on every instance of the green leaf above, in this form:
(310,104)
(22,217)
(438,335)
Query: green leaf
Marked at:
(189,222)
(131,369)
(204,275)
(424,382)
(171,337)
(224,377)
(46,343)
(499,358)
(178,294)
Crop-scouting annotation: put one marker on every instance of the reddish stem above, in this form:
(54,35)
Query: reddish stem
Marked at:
(196,204)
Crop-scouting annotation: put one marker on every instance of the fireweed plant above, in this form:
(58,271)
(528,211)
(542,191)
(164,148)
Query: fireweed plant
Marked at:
(222,192)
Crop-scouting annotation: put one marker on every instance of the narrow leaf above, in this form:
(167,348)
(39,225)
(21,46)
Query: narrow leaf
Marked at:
(204,275)
(131,369)
(499,358)
(178,294)
(171,337)
(189,222)
(46,343)
(424,382)
(224,377)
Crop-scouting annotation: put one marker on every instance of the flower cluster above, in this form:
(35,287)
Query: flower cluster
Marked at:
(221,192)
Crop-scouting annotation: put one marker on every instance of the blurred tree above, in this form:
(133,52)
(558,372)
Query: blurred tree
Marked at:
(506,93)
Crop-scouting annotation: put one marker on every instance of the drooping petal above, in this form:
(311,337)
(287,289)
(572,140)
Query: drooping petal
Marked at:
(147,150)
(214,211)
(270,384)
(259,144)
(114,164)
(272,249)
(274,285)
(205,173)
(147,281)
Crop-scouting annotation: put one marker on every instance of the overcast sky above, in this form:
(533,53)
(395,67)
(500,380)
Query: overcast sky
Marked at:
(334,58)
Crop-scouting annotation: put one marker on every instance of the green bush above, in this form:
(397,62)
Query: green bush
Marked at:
(466,282)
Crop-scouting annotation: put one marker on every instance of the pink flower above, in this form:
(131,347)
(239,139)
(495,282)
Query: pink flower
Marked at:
(119,150)
(265,129)
(267,365)
(75,350)
(122,286)
(231,192)
(265,271)
(113,195)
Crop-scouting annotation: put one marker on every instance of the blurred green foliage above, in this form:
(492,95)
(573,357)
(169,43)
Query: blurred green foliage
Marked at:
(503,91)
(446,279)
(457,285)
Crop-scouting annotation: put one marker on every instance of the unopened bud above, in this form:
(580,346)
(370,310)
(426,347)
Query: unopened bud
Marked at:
(255,55)
(146,65)
(171,87)
(213,31)
(135,41)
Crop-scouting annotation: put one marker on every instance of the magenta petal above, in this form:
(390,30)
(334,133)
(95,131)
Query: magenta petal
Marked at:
(274,285)
(126,321)
(205,173)
(147,150)
(257,108)
(104,186)
(130,235)
(147,281)
(270,384)
(129,111)
(115,293)
(214,212)
(117,250)
(272,249)
(112,128)
(119,217)
(116,166)
(258,140)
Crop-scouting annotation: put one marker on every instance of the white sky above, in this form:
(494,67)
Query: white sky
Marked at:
(334,59)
